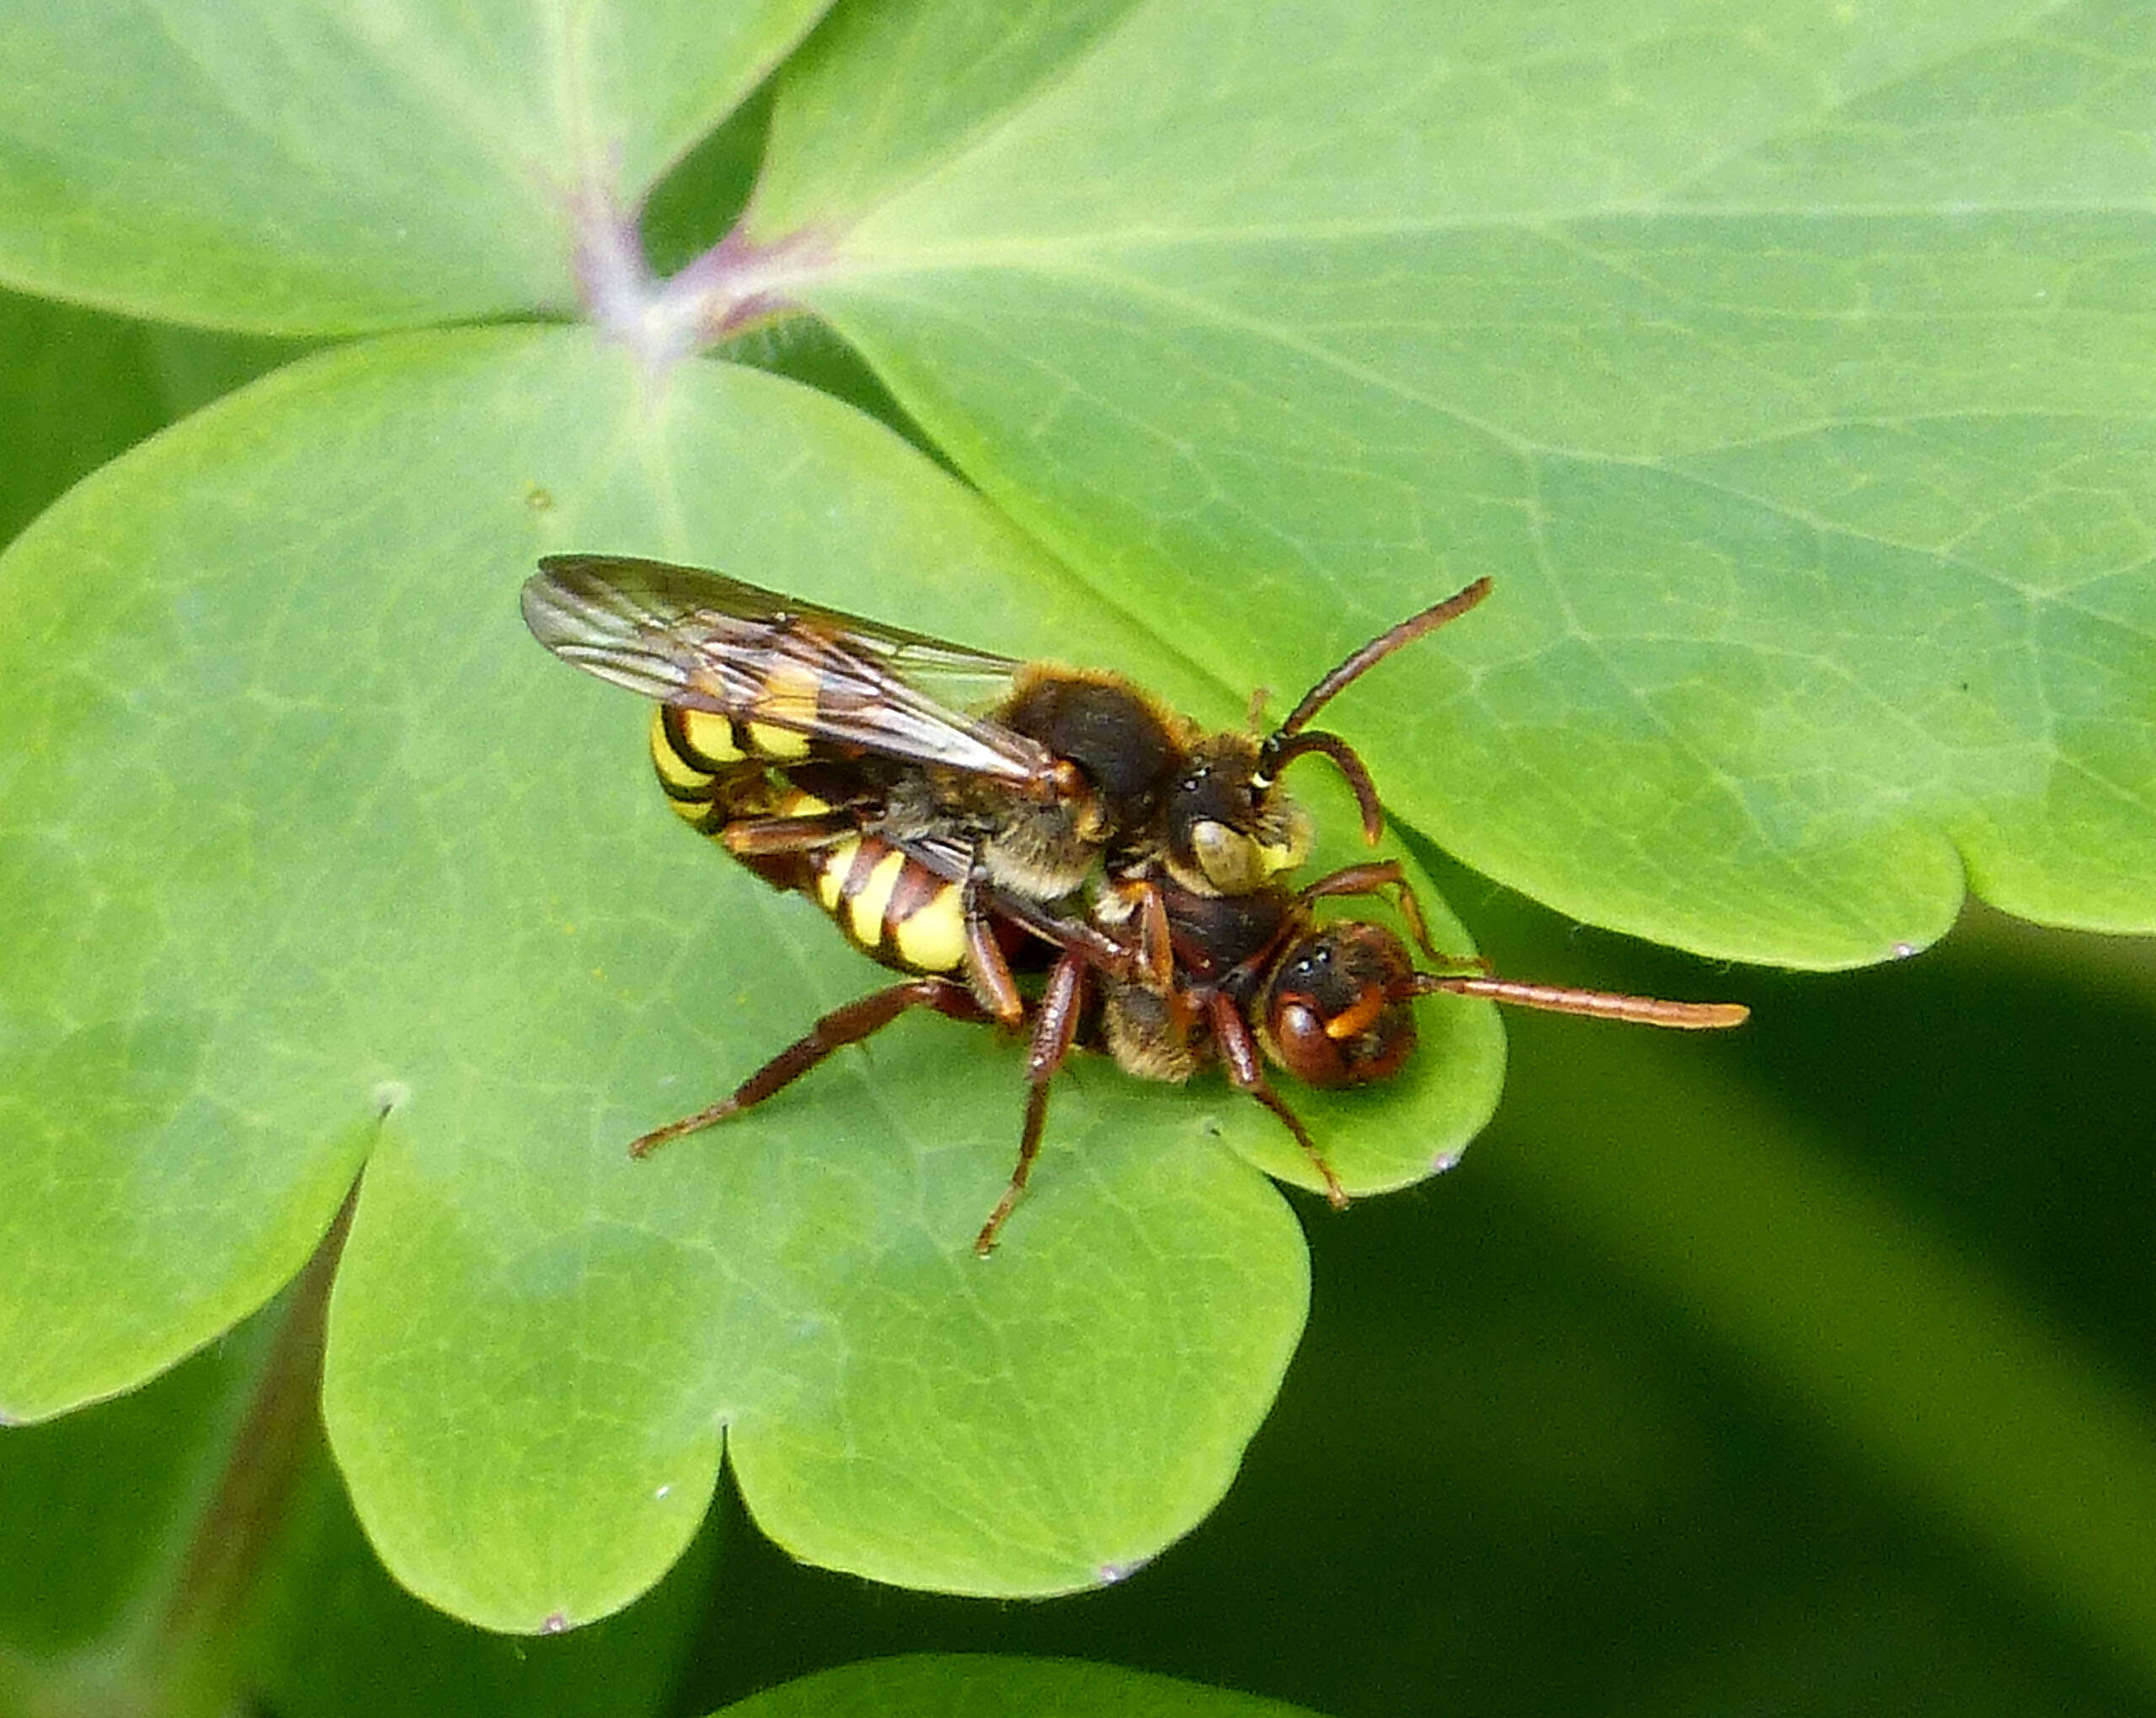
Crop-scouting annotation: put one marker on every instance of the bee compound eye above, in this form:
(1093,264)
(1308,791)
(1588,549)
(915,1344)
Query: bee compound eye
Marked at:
(1306,1050)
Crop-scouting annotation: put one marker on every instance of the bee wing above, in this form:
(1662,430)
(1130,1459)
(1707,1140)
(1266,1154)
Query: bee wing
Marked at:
(688,637)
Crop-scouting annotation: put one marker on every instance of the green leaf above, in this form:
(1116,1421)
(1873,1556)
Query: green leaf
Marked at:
(83,381)
(883,94)
(83,1554)
(323,859)
(335,165)
(951,1686)
(388,1654)
(178,1549)
(1790,381)
(1790,377)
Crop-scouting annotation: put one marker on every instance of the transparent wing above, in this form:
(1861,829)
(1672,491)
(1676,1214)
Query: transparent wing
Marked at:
(684,636)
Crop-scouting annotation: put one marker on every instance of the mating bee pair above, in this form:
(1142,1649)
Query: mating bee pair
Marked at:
(974,821)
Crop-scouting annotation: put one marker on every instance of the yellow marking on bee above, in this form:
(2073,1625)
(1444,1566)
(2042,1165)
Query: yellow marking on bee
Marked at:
(710,736)
(831,880)
(866,908)
(1277,859)
(788,704)
(1358,1016)
(676,774)
(798,804)
(934,939)
(782,745)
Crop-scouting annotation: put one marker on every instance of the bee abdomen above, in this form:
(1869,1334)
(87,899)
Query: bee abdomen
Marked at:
(891,906)
(702,768)
(691,749)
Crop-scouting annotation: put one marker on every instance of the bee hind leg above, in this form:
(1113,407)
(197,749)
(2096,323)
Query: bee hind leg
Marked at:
(1239,1051)
(1055,1029)
(833,1032)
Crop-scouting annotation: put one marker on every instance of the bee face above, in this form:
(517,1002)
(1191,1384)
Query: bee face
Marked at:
(1335,1009)
(1226,830)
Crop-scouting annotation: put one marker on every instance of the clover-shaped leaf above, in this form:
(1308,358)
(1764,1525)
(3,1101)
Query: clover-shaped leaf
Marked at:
(1793,397)
(327,166)
(386,880)
(1790,378)
(929,1685)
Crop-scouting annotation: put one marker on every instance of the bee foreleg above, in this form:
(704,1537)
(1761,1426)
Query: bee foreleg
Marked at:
(988,969)
(1239,1051)
(1156,949)
(1055,1029)
(1377,876)
(836,1030)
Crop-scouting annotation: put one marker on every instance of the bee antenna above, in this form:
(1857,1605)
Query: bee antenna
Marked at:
(1289,740)
(1285,746)
(1406,632)
(1564,999)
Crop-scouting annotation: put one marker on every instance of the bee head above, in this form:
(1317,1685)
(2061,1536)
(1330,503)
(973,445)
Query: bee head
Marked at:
(1228,828)
(1336,1009)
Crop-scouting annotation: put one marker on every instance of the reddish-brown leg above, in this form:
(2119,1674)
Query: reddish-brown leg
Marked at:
(1155,946)
(1055,1029)
(836,1030)
(744,836)
(986,968)
(1376,878)
(1238,1047)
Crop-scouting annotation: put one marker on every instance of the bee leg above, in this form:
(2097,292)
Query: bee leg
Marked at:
(836,1030)
(1238,1049)
(987,970)
(1155,952)
(746,837)
(1055,1029)
(1374,878)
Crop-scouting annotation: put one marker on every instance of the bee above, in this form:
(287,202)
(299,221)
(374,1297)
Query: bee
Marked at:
(964,817)
(1257,979)
(1262,979)
(1046,777)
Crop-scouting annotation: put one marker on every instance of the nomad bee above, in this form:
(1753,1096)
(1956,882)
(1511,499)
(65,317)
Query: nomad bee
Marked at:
(1045,778)
(1256,978)
(945,807)
(1260,978)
